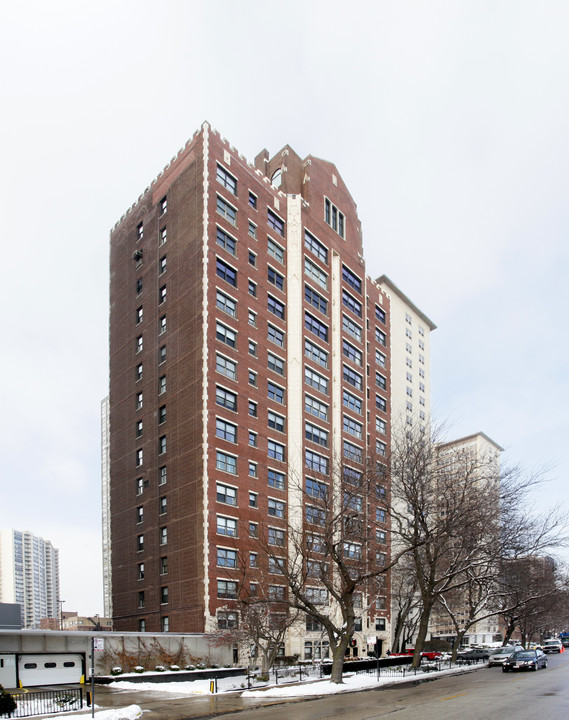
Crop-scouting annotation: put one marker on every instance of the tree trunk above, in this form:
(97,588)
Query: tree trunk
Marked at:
(459,635)
(338,654)
(422,634)
(509,632)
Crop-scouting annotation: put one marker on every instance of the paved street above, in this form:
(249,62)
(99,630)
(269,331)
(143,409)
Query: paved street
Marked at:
(482,693)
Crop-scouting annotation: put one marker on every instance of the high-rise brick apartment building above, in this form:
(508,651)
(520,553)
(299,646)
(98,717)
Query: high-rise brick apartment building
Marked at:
(247,346)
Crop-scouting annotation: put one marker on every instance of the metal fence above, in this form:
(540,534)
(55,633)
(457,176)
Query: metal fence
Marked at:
(399,671)
(46,702)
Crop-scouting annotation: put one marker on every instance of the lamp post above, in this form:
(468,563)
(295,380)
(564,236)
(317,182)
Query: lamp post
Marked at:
(61,614)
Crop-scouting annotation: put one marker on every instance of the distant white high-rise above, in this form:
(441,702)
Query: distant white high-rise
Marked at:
(29,575)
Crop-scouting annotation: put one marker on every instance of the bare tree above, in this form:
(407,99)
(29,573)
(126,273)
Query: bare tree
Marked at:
(405,602)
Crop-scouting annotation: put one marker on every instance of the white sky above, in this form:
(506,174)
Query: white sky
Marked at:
(447,120)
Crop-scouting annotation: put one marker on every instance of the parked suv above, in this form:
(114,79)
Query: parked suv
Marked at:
(552,645)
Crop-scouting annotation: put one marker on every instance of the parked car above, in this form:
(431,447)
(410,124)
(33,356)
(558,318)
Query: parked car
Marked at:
(552,645)
(525,660)
(475,654)
(498,656)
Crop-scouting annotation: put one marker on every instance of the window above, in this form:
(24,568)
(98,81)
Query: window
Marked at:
(140,571)
(252,200)
(276,422)
(352,427)
(226,463)
(162,444)
(226,526)
(139,231)
(315,247)
(138,286)
(351,303)
(162,354)
(352,377)
(380,425)
(315,299)
(275,363)
(252,348)
(314,515)
(252,469)
(225,366)
(275,251)
(253,530)
(225,303)
(225,335)
(316,489)
(313,271)
(352,476)
(380,515)
(352,402)
(381,337)
(276,592)
(141,599)
(275,479)
(140,543)
(352,452)
(315,407)
(353,502)
(315,380)
(253,499)
(162,295)
(276,450)
(381,403)
(315,326)
(275,335)
(163,535)
(351,279)
(139,315)
(313,625)
(138,372)
(276,508)
(334,217)
(252,229)
(163,236)
(315,461)
(139,457)
(380,381)
(353,551)
(139,486)
(252,318)
(381,536)
(319,596)
(315,353)
(276,393)
(226,272)
(162,326)
(315,434)
(227,589)
(253,560)
(276,536)
(252,288)
(252,438)
(275,222)
(351,328)
(163,566)
(226,558)
(163,205)
(352,352)
(275,278)
(226,241)
(252,378)
(162,265)
(252,259)
(276,307)
(139,344)
(380,314)
(380,359)
(138,429)
(226,179)
(225,430)
(227,620)
(252,408)
(225,398)
(162,505)
(164,595)
(276,565)
(226,210)
(380,624)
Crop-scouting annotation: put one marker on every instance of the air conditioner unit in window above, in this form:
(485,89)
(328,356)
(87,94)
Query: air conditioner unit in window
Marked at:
(137,255)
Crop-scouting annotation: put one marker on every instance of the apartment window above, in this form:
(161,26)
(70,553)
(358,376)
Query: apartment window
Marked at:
(380,381)
(226,272)
(162,265)
(276,536)
(139,344)
(315,247)
(380,515)
(162,295)
(252,200)
(275,363)
(276,393)
(352,476)
(316,489)
(276,307)
(276,422)
(163,236)
(162,327)
(138,286)
(315,461)
(139,457)
(352,377)
(334,217)
(315,434)
(253,530)
(252,288)
(381,536)
(353,551)
(380,314)
(252,408)
(408,333)
(276,450)
(141,599)
(315,353)
(138,428)
(275,335)
(276,566)
(409,391)
(163,205)
(252,438)
(225,303)
(226,210)
(409,362)
(275,278)
(226,179)
(226,463)
(252,378)
(226,241)
(139,231)
(352,352)
(353,427)
(422,387)
(252,229)
(380,359)
(315,380)
(315,326)
(276,593)
(276,508)
(352,402)
(139,514)
(351,279)
(226,494)
(252,259)
(381,337)
(380,448)
(225,398)
(227,589)
(252,318)
(162,354)
(225,366)
(225,430)
(351,328)
(315,516)
(380,426)
(275,251)
(162,384)
(316,408)
(139,486)
(253,499)
(381,403)
(226,558)
(253,560)
(275,222)
(163,596)
(275,479)
(315,299)
(351,303)
(140,571)
(163,566)
(226,526)
(225,335)
(163,535)
(252,348)
(163,505)
(313,271)
(408,347)
(139,315)
(352,452)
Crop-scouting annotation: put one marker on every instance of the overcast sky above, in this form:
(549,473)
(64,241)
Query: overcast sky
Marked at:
(448,121)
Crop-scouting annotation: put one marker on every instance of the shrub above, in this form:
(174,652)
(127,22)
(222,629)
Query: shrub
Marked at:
(7,702)
(116,671)
(138,669)
(160,668)
(174,667)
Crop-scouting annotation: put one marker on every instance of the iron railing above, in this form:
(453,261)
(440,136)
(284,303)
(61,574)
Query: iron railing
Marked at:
(45,702)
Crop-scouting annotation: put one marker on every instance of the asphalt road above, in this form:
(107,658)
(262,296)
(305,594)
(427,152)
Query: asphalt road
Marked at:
(483,694)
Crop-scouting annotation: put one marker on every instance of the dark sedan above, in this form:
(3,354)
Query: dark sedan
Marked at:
(525,660)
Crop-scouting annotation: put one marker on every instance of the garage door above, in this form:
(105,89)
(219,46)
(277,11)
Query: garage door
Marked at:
(52,669)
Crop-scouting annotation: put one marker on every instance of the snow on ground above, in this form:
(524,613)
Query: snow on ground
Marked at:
(131,712)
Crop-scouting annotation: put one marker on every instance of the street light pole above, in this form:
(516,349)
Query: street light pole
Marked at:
(61,614)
